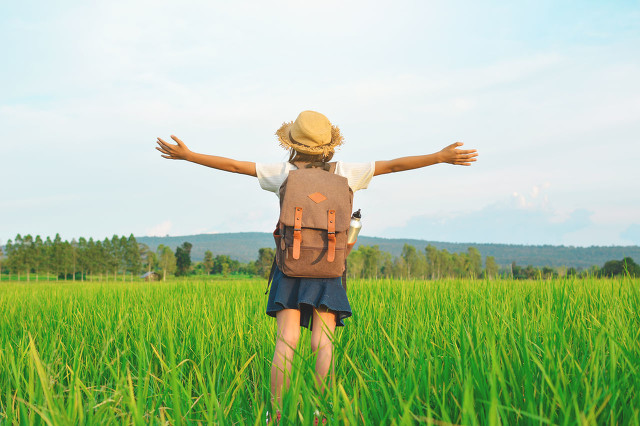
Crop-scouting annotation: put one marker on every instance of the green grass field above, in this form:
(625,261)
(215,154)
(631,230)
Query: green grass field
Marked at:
(464,352)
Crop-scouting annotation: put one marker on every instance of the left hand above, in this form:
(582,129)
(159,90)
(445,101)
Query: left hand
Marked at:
(173,152)
(460,157)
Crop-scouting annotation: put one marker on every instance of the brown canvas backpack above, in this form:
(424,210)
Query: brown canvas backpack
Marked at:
(315,211)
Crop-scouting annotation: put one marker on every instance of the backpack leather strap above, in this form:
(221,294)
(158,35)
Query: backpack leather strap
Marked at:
(344,276)
(297,233)
(271,273)
(331,235)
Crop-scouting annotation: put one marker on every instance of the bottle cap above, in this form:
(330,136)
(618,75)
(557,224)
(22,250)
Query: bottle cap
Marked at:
(356,215)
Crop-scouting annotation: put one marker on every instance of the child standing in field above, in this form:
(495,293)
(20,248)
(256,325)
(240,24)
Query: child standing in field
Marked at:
(320,304)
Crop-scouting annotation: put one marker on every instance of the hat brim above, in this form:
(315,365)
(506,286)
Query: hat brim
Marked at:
(285,141)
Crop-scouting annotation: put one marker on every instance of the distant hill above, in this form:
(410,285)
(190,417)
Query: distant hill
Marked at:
(243,246)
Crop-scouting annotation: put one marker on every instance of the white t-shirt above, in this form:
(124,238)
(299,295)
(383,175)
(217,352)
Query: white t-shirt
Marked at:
(271,175)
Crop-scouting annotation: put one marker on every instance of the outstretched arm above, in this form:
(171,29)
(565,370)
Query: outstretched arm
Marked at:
(449,155)
(181,152)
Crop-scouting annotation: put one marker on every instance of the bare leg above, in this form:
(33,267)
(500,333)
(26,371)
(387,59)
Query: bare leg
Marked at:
(324,325)
(288,335)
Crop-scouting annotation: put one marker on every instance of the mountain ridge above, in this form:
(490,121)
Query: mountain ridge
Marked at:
(244,246)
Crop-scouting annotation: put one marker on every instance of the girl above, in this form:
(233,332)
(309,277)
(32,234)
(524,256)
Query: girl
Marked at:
(305,302)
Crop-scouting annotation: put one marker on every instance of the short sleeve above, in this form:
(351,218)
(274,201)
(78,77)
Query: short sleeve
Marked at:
(358,174)
(271,175)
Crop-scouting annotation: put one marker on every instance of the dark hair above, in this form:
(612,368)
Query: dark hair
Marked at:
(308,158)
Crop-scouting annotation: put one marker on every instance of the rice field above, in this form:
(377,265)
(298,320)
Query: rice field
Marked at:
(444,352)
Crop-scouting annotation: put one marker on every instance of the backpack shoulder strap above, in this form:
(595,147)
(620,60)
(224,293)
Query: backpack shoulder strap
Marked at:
(271,273)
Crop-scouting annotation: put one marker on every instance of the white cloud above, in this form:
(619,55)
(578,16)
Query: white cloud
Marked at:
(501,224)
(538,199)
(203,231)
(535,191)
(518,220)
(160,230)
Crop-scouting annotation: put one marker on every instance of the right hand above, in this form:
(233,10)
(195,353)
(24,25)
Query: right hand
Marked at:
(173,152)
(460,157)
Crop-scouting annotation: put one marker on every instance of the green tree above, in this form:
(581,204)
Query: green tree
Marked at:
(411,259)
(148,257)
(10,256)
(166,259)
(110,256)
(83,258)
(248,268)
(613,268)
(531,273)
(67,258)
(448,262)
(355,264)
(132,256)
(515,270)
(91,263)
(631,267)
(491,267)
(122,255)
(372,259)
(73,256)
(222,264)
(548,272)
(8,263)
(19,262)
(387,269)
(3,261)
(27,250)
(475,262)
(57,254)
(39,256)
(99,258)
(264,262)
(433,261)
(183,259)
(47,262)
(208,261)
(593,271)
(460,265)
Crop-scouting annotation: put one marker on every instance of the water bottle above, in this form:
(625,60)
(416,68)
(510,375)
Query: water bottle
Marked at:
(354,227)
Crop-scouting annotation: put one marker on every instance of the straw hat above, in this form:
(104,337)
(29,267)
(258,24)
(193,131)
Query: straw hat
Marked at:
(311,133)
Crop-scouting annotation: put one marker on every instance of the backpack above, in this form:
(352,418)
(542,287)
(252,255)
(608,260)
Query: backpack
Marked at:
(315,212)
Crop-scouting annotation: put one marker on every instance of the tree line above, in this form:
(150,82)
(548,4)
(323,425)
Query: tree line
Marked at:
(431,263)
(371,262)
(120,257)
(115,258)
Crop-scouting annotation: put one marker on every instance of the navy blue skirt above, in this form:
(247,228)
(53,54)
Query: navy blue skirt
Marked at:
(306,293)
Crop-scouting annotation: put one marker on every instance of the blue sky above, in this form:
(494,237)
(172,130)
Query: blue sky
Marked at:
(547,91)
